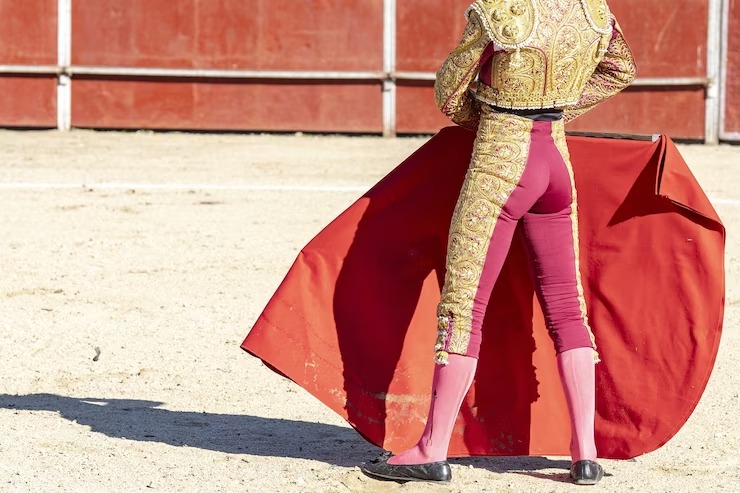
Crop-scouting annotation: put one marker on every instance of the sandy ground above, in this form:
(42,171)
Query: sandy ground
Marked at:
(130,272)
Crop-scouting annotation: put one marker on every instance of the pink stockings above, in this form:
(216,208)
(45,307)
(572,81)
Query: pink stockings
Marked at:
(577,375)
(451,383)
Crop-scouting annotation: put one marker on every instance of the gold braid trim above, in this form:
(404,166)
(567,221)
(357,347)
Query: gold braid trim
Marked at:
(558,136)
(500,154)
(598,16)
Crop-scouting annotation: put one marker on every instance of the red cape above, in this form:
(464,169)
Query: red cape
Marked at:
(354,320)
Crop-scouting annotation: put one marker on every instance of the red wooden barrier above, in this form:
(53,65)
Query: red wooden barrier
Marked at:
(330,35)
(28,35)
(28,32)
(668,38)
(28,101)
(226,105)
(427,31)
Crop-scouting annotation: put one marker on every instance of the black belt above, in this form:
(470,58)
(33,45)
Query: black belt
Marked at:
(540,115)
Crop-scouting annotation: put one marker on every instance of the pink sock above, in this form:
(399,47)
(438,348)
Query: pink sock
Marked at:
(449,387)
(577,374)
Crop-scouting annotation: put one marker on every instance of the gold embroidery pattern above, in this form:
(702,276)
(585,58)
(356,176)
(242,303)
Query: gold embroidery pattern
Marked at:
(549,68)
(458,71)
(598,16)
(558,136)
(499,157)
(511,24)
(615,71)
(557,10)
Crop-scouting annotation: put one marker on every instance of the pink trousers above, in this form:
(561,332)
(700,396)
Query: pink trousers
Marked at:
(520,171)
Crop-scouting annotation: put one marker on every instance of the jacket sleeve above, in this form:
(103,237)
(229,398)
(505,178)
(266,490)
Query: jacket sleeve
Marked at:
(615,72)
(451,87)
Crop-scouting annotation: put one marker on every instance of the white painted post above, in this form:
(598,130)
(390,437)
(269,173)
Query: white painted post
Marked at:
(389,67)
(64,60)
(724,134)
(714,65)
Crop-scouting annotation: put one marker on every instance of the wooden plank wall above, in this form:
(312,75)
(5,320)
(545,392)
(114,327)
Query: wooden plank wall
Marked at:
(28,36)
(668,38)
(228,34)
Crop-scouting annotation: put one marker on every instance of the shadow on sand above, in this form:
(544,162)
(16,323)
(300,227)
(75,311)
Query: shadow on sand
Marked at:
(146,421)
(230,433)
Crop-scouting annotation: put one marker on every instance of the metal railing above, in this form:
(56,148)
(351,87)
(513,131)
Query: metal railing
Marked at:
(387,78)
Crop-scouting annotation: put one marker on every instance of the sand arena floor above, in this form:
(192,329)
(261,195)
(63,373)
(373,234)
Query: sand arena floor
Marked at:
(132,267)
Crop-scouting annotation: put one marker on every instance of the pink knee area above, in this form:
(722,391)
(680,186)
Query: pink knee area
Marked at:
(572,337)
(551,244)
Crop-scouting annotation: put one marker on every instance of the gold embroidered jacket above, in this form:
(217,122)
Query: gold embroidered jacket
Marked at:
(535,54)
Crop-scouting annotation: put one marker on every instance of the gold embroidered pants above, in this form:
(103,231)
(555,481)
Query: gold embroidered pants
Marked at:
(520,171)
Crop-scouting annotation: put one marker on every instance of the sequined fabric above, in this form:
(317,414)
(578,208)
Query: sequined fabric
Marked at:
(499,157)
(550,68)
(456,74)
(535,54)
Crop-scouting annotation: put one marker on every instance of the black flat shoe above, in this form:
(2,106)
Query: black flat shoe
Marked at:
(436,472)
(586,472)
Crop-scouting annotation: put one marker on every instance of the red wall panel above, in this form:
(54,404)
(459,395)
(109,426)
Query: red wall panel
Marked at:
(417,111)
(668,38)
(675,112)
(732,101)
(28,32)
(427,31)
(179,104)
(230,34)
(28,36)
(28,101)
